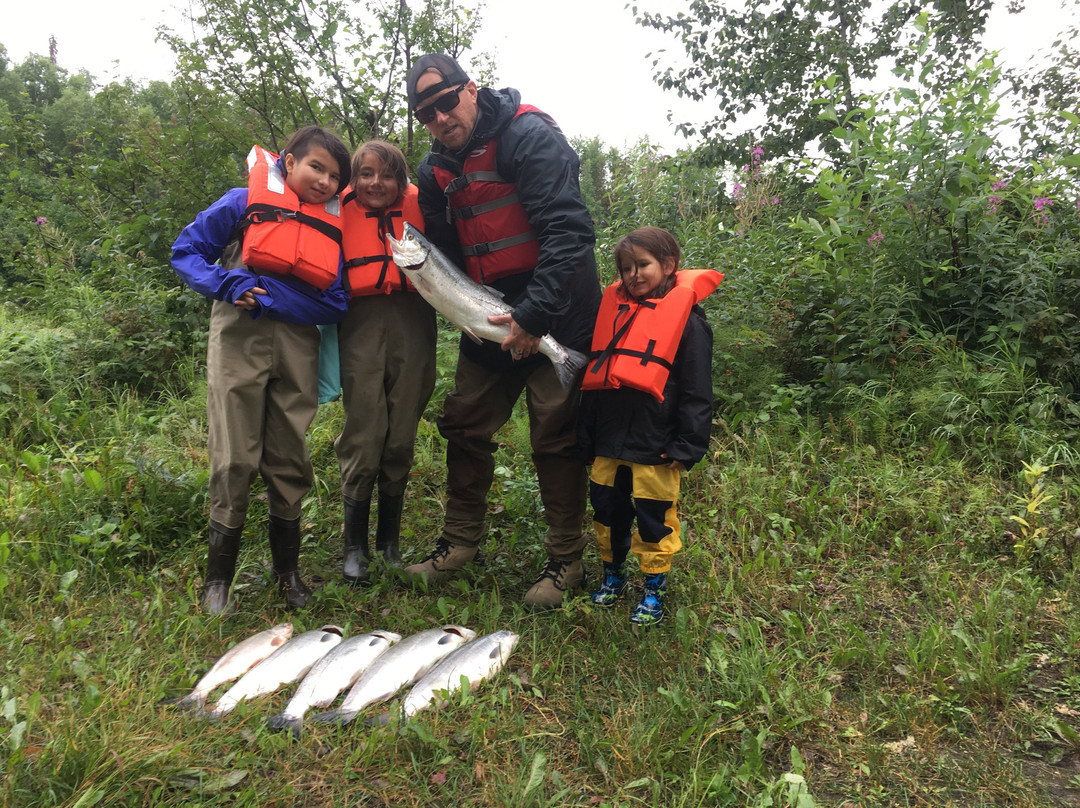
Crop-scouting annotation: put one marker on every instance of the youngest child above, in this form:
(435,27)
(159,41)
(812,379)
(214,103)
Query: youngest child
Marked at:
(269,256)
(646,410)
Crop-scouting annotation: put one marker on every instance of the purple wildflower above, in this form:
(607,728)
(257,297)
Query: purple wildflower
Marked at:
(875,240)
(999,185)
(1042,209)
(992,205)
(737,191)
(40,220)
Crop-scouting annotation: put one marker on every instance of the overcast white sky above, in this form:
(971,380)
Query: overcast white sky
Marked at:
(582,61)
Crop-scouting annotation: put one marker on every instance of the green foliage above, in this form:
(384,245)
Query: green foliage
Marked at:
(773,55)
(323,62)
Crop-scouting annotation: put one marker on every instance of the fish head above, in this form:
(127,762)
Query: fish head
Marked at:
(507,641)
(411,250)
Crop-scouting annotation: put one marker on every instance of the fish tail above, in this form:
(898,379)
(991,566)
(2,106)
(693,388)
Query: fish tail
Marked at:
(283,721)
(187,702)
(567,371)
(330,716)
(191,702)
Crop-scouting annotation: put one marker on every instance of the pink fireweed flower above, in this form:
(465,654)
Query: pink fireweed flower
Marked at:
(737,191)
(40,220)
(1042,210)
(875,240)
(992,205)
(757,155)
(999,185)
(776,201)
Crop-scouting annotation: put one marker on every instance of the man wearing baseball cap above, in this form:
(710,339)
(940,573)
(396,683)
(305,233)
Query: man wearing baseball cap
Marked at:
(500,196)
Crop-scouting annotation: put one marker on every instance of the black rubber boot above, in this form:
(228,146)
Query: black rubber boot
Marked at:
(388,530)
(220,568)
(354,568)
(285,551)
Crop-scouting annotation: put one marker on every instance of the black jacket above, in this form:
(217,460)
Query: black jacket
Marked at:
(631,425)
(561,296)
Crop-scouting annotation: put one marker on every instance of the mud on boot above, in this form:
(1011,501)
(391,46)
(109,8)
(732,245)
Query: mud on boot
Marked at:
(613,586)
(558,577)
(651,609)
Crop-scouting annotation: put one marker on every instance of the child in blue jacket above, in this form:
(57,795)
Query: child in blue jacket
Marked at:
(269,256)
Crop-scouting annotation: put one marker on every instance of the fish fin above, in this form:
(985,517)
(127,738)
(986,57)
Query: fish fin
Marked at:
(282,721)
(567,371)
(495,292)
(469,333)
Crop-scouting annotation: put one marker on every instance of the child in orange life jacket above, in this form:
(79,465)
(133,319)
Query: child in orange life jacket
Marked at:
(269,256)
(386,354)
(646,410)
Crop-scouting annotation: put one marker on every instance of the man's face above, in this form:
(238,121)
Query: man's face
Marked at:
(452,128)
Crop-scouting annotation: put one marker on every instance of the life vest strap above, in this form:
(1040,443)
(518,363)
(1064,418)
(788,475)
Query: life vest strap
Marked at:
(458,183)
(259,213)
(646,356)
(365,260)
(499,244)
(470,211)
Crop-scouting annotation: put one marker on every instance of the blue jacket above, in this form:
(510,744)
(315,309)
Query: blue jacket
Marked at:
(196,257)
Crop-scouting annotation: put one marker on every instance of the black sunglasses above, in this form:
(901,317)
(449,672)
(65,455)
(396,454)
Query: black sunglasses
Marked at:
(443,104)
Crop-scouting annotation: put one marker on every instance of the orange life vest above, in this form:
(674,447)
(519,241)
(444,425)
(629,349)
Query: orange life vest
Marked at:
(369,266)
(493,229)
(634,342)
(284,235)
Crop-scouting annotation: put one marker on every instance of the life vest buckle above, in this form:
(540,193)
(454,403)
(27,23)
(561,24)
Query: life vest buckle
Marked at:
(261,216)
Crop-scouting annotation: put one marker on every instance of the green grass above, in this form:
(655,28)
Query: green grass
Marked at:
(848,626)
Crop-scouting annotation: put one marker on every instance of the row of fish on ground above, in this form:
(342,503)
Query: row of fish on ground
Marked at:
(373,666)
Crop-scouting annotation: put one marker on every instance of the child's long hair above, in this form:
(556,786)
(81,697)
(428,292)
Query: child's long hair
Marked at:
(389,155)
(655,240)
(303,140)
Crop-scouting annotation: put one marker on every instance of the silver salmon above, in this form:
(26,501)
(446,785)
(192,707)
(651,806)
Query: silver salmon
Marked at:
(237,661)
(476,661)
(467,304)
(289,663)
(405,662)
(333,673)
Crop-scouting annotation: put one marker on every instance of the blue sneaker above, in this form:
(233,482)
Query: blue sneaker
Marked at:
(651,609)
(613,586)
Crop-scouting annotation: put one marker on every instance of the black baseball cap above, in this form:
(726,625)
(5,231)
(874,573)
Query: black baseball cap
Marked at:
(446,67)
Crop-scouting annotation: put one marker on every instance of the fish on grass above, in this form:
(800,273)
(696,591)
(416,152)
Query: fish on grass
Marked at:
(475,661)
(403,663)
(289,663)
(235,662)
(333,673)
(466,303)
